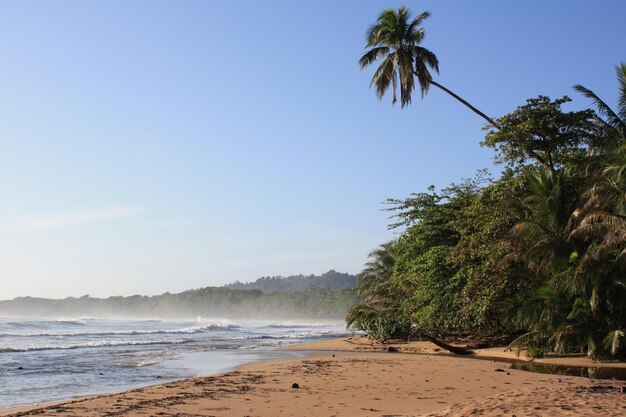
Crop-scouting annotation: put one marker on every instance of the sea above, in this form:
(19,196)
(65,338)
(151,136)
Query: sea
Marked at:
(45,360)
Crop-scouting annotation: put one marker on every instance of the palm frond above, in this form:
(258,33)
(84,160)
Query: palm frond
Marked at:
(413,31)
(612,118)
(373,55)
(423,76)
(405,73)
(359,313)
(621,79)
(527,339)
(427,56)
(614,341)
(384,77)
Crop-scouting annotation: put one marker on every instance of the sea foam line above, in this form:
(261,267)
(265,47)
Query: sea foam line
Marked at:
(104,343)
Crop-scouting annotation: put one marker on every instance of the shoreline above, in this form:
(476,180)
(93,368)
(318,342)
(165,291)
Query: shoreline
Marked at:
(262,356)
(349,376)
(498,354)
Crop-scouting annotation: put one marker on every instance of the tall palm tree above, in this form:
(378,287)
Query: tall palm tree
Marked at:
(395,38)
(574,256)
(542,252)
(602,227)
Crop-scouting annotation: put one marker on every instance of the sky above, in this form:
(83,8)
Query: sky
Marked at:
(153,146)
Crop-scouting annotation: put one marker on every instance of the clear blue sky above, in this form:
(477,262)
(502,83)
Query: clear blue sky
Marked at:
(153,146)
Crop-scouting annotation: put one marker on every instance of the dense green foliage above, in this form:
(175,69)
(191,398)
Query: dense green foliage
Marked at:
(332,280)
(539,252)
(220,302)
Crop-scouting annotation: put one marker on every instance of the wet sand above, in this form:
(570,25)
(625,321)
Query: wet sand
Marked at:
(361,380)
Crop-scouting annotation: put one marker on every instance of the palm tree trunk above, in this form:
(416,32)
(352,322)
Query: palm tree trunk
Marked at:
(472,108)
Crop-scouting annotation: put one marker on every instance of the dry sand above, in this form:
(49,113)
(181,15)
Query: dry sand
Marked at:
(359,381)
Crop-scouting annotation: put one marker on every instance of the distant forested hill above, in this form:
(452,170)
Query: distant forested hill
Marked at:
(332,280)
(215,302)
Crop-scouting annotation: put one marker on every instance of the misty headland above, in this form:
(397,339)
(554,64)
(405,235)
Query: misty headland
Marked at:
(326,296)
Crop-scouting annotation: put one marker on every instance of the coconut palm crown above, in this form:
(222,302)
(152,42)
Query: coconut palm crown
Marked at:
(395,38)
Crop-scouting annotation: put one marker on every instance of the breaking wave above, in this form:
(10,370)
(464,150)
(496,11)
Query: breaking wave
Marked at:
(98,344)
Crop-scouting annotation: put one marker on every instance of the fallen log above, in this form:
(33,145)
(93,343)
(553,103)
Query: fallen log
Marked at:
(457,350)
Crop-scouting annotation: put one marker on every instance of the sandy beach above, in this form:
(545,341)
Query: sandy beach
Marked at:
(351,377)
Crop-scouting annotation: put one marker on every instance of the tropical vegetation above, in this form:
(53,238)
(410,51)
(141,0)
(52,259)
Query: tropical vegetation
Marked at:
(538,253)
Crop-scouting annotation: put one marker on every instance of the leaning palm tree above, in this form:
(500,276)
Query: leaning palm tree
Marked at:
(396,39)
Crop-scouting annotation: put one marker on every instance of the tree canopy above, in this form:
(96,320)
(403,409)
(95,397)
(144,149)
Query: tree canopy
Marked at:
(538,253)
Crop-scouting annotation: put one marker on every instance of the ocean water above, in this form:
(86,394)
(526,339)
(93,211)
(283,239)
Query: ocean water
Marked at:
(44,360)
